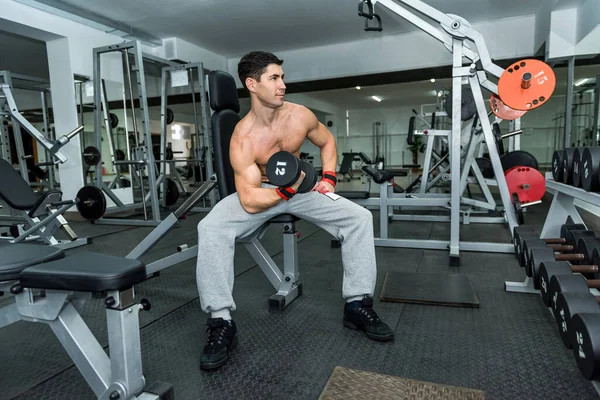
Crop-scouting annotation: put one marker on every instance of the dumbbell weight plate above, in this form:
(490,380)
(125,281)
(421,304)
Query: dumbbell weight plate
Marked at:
(283,169)
(557,165)
(586,343)
(310,178)
(567,175)
(569,304)
(590,169)
(577,167)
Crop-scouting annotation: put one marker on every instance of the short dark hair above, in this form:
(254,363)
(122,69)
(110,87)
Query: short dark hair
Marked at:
(254,64)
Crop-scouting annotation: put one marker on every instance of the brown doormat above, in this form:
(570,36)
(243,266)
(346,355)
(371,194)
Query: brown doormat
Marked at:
(454,290)
(351,384)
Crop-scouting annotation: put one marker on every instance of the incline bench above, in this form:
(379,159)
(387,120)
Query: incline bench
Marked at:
(42,212)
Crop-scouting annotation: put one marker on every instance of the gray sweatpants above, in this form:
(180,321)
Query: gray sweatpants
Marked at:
(228,221)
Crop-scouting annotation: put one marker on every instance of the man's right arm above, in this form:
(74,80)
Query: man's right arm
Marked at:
(253,197)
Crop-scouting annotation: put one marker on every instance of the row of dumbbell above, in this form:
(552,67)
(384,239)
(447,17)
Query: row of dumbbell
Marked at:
(578,166)
(563,270)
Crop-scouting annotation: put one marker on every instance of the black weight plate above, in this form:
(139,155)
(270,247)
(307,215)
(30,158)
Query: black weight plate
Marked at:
(590,169)
(119,155)
(567,176)
(498,138)
(310,178)
(576,171)
(114,121)
(283,169)
(585,328)
(170,116)
(468,106)
(91,204)
(518,158)
(91,156)
(557,165)
(485,165)
(172,192)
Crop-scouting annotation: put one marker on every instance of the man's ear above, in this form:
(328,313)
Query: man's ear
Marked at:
(251,84)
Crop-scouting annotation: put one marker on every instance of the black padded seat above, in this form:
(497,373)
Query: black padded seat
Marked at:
(15,257)
(379,175)
(283,218)
(14,190)
(85,272)
(398,172)
(353,195)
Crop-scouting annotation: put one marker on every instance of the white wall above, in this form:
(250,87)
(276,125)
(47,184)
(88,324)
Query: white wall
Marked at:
(378,54)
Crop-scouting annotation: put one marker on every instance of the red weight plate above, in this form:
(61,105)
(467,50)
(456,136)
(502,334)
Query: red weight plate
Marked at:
(503,111)
(527,182)
(526,84)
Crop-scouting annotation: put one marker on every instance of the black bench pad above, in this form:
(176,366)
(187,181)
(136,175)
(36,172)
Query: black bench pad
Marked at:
(283,218)
(85,272)
(353,195)
(15,257)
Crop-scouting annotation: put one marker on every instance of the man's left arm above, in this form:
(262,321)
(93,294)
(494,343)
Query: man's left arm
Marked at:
(321,137)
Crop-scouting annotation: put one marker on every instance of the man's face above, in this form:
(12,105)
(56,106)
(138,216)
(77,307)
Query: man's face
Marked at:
(270,90)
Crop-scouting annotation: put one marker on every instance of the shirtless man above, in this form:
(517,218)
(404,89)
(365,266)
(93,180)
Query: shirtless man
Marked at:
(273,125)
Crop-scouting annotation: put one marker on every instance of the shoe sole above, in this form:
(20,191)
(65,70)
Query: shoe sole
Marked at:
(380,338)
(220,363)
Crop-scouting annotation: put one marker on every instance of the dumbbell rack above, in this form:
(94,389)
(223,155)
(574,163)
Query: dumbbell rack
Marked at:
(456,34)
(564,205)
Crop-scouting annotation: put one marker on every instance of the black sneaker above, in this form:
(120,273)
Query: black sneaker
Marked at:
(360,315)
(221,338)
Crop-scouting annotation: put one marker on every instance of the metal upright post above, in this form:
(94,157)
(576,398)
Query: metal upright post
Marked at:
(457,55)
(141,80)
(569,102)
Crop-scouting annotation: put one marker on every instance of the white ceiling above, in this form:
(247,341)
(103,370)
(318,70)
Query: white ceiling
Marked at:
(234,27)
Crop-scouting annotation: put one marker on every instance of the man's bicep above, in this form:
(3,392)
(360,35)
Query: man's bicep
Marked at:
(246,172)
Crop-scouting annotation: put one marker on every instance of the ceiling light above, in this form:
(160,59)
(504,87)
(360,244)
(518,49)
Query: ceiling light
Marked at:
(581,82)
(358,88)
(440,93)
(377,99)
(432,80)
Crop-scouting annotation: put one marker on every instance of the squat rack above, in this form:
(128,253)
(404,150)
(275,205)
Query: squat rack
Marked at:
(462,41)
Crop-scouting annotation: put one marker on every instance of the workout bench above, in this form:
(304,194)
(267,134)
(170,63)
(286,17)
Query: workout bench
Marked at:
(42,212)
(51,288)
(225,104)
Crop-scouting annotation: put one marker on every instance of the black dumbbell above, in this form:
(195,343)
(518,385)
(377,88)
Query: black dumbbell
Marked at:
(567,176)
(557,165)
(523,232)
(590,169)
(577,166)
(583,255)
(570,243)
(547,270)
(585,330)
(283,170)
(568,303)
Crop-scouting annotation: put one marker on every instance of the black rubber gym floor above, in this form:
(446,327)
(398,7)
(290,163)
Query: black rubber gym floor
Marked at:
(509,347)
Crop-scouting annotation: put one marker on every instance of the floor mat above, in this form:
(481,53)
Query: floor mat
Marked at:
(435,289)
(348,384)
